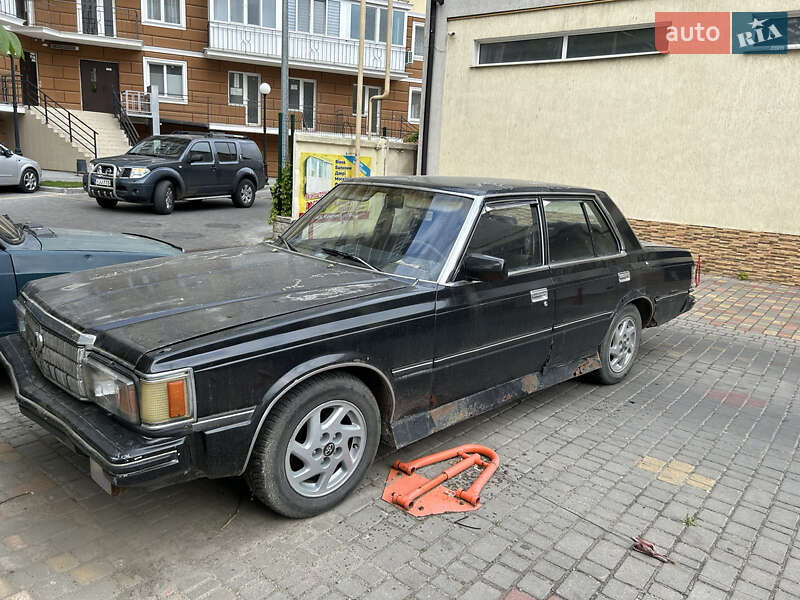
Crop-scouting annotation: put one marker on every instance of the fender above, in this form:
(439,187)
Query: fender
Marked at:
(162,173)
(245,172)
(301,373)
(637,294)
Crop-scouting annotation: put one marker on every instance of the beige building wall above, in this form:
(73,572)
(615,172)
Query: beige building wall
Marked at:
(704,140)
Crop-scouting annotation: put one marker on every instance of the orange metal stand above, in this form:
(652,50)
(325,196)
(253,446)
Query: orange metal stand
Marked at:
(420,496)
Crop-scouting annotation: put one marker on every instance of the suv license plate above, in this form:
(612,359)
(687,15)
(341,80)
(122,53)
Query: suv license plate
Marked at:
(102,181)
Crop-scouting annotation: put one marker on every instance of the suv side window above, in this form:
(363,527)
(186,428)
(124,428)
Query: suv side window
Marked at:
(249,150)
(226,151)
(200,152)
(510,232)
(604,241)
(567,230)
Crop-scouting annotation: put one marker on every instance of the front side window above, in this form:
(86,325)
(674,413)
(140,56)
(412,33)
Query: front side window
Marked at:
(163,12)
(511,233)
(402,231)
(169,78)
(567,231)
(201,153)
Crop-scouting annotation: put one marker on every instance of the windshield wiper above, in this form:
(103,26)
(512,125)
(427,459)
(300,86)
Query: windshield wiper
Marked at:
(343,254)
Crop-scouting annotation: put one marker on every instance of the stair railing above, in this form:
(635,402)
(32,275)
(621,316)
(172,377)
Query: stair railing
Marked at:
(124,120)
(60,117)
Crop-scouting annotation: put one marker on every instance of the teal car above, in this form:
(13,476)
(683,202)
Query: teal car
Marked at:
(33,251)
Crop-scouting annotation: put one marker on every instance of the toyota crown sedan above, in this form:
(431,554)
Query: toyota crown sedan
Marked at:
(394,308)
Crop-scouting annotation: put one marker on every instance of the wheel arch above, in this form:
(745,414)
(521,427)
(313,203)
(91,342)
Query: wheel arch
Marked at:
(245,173)
(170,175)
(370,375)
(645,307)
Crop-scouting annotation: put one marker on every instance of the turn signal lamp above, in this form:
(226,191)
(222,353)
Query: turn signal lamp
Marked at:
(163,401)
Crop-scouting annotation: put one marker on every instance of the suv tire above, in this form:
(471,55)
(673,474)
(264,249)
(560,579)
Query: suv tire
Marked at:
(106,202)
(164,197)
(245,194)
(343,415)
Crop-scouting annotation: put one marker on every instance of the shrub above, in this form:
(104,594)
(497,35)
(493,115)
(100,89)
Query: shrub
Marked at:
(282,194)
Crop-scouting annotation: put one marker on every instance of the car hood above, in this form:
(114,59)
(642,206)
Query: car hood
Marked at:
(134,160)
(144,306)
(56,238)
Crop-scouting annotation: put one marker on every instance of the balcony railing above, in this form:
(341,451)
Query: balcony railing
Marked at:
(203,109)
(95,17)
(306,47)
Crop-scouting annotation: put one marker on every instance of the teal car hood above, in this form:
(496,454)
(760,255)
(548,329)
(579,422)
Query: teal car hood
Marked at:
(55,239)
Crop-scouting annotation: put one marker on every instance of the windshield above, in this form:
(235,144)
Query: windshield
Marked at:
(402,231)
(9,232)
(162,147)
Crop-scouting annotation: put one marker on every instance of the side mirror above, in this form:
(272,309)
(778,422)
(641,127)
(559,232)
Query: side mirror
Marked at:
(7,152)
(482,267)
(195,157)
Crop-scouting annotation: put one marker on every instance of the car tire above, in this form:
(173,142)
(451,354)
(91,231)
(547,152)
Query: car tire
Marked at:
(164,197)
(106,202)
(245,194)
(620,346)
(29,182)
(284,447)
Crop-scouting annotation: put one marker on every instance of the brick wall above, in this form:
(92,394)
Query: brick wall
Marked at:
(762,255)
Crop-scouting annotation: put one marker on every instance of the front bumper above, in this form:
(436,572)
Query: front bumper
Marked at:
(124,189)
(126,457)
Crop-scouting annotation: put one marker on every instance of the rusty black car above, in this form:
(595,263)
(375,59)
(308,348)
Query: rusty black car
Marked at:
(394,308)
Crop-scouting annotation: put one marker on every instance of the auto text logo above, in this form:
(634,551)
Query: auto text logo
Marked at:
(721,32)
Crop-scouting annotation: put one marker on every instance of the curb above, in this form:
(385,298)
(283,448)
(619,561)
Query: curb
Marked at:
(61,190)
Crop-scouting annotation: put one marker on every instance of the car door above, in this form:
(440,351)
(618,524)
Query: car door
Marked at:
(200,170)
(585,290)
(227,165)
(489,333)
(9,165)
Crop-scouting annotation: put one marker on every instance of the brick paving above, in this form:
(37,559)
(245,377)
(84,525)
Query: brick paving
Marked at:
(711,400)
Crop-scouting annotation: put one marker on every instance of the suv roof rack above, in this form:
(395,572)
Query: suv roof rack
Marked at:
(228,135)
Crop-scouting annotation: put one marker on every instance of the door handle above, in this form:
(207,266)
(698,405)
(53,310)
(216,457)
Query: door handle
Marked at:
(539,295)
(624,276)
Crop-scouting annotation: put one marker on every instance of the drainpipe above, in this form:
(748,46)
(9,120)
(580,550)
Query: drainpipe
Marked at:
(284,133)
(17,148)
(387,82)
(360,86)
(426,111)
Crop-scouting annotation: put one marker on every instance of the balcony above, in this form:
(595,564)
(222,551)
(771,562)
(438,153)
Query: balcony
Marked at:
(254,44)
(94,23)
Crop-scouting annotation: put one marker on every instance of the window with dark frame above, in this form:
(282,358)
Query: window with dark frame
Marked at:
(226,151)
(510,232)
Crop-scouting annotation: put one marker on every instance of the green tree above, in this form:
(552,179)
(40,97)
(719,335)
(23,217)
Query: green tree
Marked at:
(9,43)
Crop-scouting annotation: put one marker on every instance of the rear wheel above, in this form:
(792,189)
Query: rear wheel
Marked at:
(106,202)
(315,446)
(29,181)
(164,197)
(245,194)
(620,346)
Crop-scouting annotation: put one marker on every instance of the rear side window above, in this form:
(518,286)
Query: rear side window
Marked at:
(250,151)
(511,233)
(567,231)
(226,151)
(604,241)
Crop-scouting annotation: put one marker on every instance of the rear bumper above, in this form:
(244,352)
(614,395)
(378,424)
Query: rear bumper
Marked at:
(126,457)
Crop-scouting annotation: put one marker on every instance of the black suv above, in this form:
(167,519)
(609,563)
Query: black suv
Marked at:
(163,169)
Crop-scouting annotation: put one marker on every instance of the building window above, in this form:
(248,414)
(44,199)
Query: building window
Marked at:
(252,12)
(418,41)
(414,104)
(577,46)
(243,91)
(301,97)
(312,16)
(375,24)
(164,13)
(369,92)
(169,76)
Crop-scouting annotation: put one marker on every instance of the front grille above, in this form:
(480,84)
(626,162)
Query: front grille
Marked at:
(58,359)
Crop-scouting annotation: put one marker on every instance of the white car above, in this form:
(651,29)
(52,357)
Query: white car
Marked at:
(19,170)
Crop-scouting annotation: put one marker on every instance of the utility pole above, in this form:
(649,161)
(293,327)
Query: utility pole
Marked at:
(360,84)
(17,148)
(284,141)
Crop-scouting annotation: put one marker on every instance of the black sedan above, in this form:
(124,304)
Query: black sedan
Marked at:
(394,308)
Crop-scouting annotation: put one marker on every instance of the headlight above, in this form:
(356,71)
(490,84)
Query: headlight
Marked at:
(164,400)
(138,172)
(111,390)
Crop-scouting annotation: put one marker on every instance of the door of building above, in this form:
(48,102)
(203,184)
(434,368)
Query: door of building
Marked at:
(99,83)
(30,79)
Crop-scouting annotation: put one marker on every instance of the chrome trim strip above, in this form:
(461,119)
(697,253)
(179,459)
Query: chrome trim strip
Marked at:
(492,345)
(589,318)
(461,241)
(672,295)
(566,263)
(187,373)
(420,365)
(242,412)
(79,337)
(70,433)
(303,378)
(228,419)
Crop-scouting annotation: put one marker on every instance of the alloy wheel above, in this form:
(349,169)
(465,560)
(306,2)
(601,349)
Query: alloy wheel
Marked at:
(169,198)
(29,181)
(623,345)
(246,195)
(325,449)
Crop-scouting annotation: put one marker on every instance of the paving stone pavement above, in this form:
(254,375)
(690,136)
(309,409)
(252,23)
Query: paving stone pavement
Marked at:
(707,401)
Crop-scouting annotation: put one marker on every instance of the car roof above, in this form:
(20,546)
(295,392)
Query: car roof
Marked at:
(474,186)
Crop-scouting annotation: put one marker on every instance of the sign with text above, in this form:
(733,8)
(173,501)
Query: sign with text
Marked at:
(693,32)
(319,173)
(760,32)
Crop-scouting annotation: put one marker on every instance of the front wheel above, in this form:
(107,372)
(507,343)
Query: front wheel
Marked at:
(29,181)
(245,194)
(315,446)
(620,346)
(164,197)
